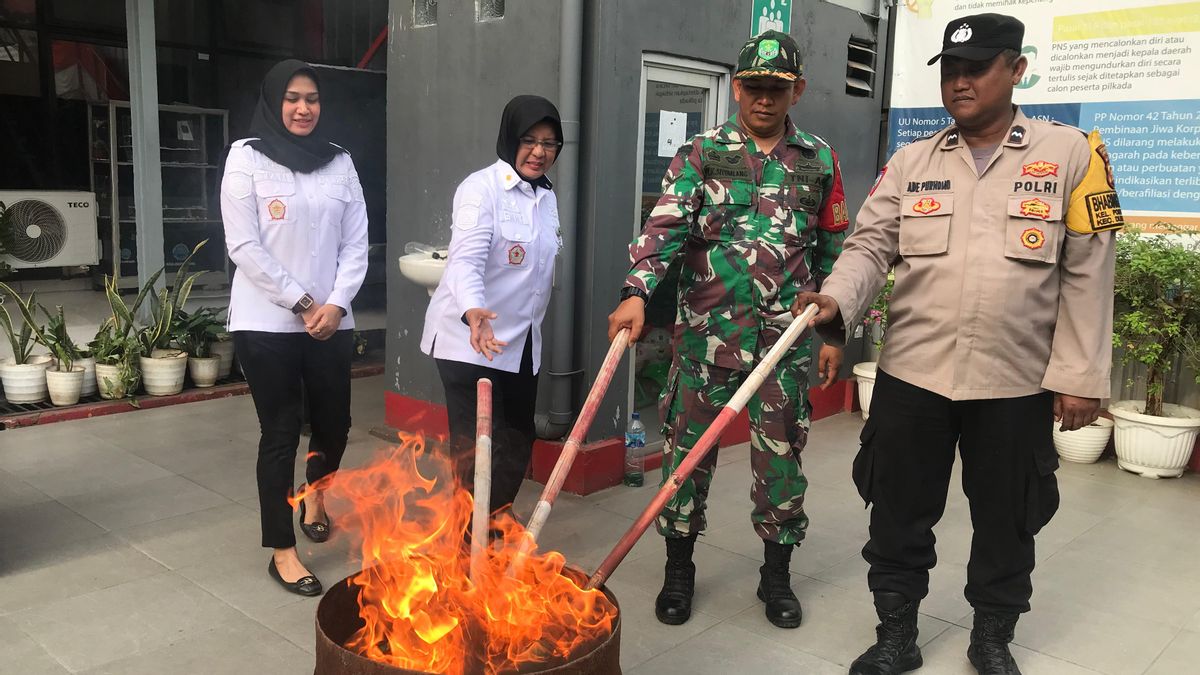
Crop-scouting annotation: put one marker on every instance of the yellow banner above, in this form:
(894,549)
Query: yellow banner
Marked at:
(1179,18)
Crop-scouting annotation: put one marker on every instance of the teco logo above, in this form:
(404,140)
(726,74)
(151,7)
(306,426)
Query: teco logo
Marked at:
(78,205)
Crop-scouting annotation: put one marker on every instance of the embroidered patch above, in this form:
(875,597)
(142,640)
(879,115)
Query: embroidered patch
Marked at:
(516,254)
(277,209)
(1040,169)
(1033,238)
(878,180)
(1035,208)
(1017,134)
(926,205)
(768,49)
(1102,150)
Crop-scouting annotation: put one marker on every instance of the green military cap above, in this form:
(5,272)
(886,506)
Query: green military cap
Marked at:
(770,54)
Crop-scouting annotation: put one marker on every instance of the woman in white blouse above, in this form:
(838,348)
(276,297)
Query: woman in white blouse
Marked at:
(485,319)
(296,227)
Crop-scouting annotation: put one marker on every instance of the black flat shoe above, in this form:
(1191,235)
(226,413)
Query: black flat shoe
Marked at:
(317,532)
(307,586)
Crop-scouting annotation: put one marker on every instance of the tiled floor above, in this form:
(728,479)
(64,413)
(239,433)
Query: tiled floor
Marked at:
(129,545)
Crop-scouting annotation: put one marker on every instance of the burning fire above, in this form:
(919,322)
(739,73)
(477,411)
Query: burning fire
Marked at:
(420,608)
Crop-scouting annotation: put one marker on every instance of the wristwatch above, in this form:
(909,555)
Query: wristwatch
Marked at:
(633,291)
(303,304)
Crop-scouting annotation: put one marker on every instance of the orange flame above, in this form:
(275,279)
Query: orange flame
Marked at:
(420,608)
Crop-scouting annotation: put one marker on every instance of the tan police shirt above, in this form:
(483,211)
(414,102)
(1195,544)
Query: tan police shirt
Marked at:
(998,293)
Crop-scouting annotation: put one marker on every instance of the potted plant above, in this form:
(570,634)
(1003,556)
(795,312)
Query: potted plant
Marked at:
(197,332)
(64,378)
(874,327)
(1157,287)
(116,346)
(23,375)
(163,367)
(222,348)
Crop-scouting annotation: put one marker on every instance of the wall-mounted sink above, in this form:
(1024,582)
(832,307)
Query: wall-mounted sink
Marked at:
(424,268)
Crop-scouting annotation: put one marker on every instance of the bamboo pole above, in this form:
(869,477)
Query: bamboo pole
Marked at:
(483,478)
(706,443)
(569,452)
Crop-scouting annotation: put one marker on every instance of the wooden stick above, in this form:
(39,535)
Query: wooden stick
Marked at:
(483,478)
(706,443)
(574,441)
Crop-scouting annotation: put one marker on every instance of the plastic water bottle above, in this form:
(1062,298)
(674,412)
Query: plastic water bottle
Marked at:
(635,443)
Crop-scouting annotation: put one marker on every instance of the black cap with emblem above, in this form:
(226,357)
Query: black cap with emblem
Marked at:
(980,37)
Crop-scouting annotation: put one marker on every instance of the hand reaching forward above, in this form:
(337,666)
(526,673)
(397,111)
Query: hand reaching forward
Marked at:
(483,340)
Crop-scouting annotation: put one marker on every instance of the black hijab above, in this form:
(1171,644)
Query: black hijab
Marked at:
(303,154)
(520,115)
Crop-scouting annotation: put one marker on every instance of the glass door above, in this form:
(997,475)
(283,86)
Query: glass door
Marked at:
(679,99)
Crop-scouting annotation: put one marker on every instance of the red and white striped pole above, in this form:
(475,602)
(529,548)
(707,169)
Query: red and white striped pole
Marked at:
(574,441)
(483,477)
(706,443)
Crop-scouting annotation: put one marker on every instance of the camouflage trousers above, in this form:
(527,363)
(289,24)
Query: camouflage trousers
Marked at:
(779,423)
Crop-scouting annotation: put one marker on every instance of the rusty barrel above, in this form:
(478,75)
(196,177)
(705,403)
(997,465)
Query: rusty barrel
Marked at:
(338,619)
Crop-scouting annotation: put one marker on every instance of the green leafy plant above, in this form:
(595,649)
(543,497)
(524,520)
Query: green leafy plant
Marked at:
(197,331)
(876,319)
(55,338)
(1157,317)
(20,332)
(166,305)
(111,348)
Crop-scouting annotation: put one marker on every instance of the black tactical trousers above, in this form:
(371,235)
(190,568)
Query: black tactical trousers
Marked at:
(903,469)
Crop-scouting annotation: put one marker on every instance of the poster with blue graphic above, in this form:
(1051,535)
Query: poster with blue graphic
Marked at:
(1126,67)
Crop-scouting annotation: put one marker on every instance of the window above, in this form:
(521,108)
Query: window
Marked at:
(489,10)
(425,12)
(860,67)
(19,74)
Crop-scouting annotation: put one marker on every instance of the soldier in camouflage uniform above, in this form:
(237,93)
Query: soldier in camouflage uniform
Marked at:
(756,210)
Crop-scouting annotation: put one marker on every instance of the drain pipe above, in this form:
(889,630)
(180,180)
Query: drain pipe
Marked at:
(557,422)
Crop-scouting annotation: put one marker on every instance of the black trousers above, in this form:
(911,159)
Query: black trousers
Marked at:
(903,469)
(281,369)
(514,396)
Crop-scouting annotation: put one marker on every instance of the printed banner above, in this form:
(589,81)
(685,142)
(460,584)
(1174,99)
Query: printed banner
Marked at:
(1127,68)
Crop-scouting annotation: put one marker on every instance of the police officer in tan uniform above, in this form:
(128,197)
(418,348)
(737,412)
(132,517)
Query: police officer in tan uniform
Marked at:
(1000,230)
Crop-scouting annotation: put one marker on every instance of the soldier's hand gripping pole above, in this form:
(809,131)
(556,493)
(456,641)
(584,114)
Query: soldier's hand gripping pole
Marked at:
(703,446)
(586,415)
(480,527)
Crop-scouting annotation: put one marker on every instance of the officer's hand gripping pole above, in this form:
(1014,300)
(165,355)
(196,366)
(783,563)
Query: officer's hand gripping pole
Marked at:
(586,415)
(480,527)
(706,443)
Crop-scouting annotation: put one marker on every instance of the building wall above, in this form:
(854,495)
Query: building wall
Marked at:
(447,85)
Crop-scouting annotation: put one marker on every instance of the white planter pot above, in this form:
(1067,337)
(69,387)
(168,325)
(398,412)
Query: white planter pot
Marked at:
(164,375)
(204,370)
(1155,447)
(1083,445)
(65,385)
(864,373)
(89,376)
(224,350)
(108,382)
(24,382)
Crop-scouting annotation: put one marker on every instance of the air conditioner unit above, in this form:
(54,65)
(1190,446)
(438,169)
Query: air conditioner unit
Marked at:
(51,229)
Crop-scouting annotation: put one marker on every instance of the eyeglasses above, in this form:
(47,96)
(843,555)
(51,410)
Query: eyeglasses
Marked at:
(549,147)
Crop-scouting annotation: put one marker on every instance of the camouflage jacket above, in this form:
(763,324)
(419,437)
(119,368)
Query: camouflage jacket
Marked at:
(754,229)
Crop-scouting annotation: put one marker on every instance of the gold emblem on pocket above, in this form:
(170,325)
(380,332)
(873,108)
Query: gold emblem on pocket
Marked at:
(1035,208)
(926,205)
(277,209)
(516,254)
(1033,238)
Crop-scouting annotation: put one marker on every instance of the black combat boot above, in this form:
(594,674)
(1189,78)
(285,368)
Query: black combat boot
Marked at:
(775,586)
(674,603)
(895,650)
(989,644)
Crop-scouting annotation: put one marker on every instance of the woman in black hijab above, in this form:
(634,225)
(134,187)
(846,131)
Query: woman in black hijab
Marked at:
(296,227)
(495,290)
